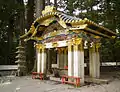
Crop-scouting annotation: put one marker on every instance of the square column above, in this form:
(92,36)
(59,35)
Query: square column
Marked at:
(39,56)
(49,59)
(97,65)
(79,59)
(60,58)
(70,59)
(65,57)
(94,61)
(43,61)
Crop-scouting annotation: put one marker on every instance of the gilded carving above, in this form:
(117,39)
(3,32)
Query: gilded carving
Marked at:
(70,42)
(55,44)
(98,45)
(77,41)
(39,46)
(65,50)
(49,9)
(59,50)
(75,47)
(53,33)
(95,46)
(62,23)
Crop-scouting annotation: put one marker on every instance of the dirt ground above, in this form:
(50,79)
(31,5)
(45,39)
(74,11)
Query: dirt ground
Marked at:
(26,84)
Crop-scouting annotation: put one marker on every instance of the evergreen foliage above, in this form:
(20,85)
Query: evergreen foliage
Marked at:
(12,23)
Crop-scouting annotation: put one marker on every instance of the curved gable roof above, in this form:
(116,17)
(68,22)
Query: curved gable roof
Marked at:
(69,22)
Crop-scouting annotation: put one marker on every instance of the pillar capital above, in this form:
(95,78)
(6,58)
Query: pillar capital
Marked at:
(40,46)
(65,50)
(54,44)
(95,46)
(92,46)
(98,45)
(59,50)
(70,42)
(77,41)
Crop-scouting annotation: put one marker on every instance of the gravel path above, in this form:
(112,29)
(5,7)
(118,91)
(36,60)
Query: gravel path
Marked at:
(26,84)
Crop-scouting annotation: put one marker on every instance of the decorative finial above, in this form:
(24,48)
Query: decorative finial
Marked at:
(48,9)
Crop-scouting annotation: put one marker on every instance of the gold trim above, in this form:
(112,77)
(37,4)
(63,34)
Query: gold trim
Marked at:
(65,50)
(97,33)
(55,44)
(39,46)
(97,46)
(75,47)
(77,41)
(59,51)
(48,9)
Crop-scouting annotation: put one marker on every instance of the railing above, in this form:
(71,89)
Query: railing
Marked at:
(8,67)
(76,80)
(37,75)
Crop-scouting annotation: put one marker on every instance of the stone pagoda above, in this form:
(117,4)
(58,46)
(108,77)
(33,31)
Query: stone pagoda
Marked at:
(21,60)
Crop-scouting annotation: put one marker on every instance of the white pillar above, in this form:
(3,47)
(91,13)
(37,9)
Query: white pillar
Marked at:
(79,62)
(97,65)
(70,60)
(39,61)
(43,63)
(94,62)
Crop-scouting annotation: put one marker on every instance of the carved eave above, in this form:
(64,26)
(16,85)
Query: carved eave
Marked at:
(99,28)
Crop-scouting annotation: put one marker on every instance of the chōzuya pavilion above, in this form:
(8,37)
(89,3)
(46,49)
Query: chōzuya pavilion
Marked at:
(69,37)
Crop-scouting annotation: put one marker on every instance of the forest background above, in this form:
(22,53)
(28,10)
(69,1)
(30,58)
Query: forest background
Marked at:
(16,17)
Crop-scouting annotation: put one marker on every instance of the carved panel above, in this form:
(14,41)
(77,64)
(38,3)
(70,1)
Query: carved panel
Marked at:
(54,26)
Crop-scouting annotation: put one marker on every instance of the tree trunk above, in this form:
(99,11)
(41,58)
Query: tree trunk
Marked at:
(55,3)
(30,44)
(10,39)
(39,6)
(48,2)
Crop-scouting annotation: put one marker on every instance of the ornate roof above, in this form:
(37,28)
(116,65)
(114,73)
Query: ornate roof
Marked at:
(67,22)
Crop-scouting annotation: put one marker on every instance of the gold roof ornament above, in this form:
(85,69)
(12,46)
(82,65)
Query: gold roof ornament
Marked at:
(48,9)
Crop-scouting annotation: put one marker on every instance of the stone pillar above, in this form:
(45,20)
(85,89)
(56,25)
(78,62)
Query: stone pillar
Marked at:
(97,65)
(70,59)
(65,57)
(39,56)
(49,59)
(94,61)
(60,57)
(79,59)
(43,63)
(58,60)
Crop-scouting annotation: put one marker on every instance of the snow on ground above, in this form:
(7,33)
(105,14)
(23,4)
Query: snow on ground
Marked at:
(26,84)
